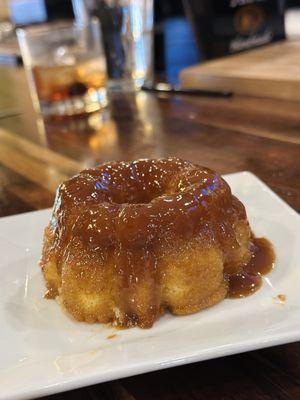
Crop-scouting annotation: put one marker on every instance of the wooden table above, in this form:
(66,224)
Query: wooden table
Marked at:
(241,133)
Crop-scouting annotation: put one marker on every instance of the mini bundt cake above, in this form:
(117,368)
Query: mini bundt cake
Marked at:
(129,240)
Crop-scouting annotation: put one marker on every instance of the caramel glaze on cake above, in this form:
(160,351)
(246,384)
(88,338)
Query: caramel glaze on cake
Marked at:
(128,241)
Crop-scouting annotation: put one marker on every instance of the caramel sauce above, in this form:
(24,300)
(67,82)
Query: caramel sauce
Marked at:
(282,297)
(50,294)
(249,280)
(112,336)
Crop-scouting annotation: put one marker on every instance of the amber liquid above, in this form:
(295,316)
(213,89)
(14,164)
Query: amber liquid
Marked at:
(62,83)
(249,280)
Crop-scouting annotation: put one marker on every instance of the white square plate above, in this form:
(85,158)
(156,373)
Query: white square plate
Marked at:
(43,351)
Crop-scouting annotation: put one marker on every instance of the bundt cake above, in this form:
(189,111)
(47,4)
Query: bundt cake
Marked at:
(129,240)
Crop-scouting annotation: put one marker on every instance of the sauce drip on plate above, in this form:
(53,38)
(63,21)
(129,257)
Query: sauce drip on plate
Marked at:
(249,279)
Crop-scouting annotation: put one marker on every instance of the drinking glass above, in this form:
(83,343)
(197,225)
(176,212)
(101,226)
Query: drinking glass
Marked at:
(127,27)
(65,66)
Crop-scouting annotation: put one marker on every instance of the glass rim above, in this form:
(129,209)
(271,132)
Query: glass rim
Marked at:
(59,26)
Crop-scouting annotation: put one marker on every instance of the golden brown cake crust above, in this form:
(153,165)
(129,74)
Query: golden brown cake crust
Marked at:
(128,240)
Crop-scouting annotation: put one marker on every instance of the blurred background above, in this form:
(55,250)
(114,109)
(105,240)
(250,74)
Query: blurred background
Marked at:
(185,31)
(75,52)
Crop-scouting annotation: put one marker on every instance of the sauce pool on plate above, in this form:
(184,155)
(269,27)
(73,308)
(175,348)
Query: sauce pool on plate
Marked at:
(249,279)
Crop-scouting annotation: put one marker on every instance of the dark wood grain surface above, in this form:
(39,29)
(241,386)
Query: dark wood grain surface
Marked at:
(241,133)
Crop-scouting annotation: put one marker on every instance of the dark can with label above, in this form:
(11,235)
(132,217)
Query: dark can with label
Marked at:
(229,26)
